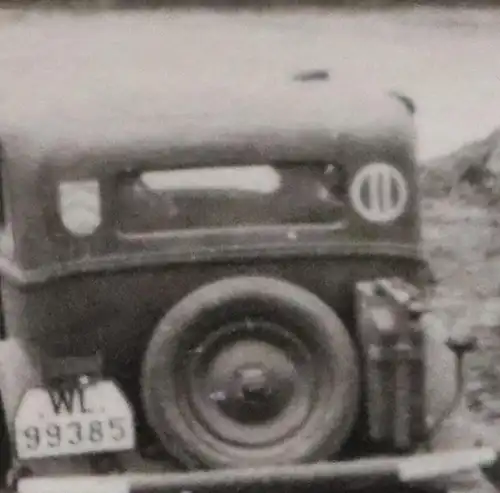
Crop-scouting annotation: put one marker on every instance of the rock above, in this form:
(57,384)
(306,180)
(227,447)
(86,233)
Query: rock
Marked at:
(472,169)
(461,241)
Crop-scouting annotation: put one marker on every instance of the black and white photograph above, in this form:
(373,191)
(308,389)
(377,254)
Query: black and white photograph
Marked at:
(249,246)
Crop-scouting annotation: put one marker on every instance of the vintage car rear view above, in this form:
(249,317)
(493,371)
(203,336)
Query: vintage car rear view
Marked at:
(225,293)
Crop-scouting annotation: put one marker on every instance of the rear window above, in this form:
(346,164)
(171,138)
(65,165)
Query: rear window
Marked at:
(228,197)
(261,179)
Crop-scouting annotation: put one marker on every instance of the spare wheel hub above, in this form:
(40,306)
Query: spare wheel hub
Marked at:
(252,387)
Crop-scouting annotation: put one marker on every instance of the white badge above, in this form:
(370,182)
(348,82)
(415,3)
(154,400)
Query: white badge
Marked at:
(80,206)
(379,193)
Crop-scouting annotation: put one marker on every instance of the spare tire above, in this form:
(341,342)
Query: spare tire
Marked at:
(250,371)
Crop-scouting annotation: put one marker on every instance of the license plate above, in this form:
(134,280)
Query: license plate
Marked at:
(93,418)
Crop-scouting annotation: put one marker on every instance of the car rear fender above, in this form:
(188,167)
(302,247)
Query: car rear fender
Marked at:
(19,371)
(458,430)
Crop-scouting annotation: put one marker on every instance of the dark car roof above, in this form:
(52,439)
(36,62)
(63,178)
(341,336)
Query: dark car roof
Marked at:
(266,118)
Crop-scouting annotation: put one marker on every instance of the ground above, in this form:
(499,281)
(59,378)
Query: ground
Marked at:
(445,59)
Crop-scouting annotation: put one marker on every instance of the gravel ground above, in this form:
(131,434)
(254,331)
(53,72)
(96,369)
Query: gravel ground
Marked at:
(458,240)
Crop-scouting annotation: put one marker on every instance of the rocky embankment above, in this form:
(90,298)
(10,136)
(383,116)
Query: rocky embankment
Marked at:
(461,228)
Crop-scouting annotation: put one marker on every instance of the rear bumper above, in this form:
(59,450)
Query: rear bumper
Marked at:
(411,470)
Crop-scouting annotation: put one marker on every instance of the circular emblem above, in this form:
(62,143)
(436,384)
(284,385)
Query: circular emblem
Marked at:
(379,193)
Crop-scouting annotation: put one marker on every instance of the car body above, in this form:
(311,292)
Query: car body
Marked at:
(221,283)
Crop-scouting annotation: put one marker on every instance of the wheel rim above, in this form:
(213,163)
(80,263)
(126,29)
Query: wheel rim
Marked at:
(251,384)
